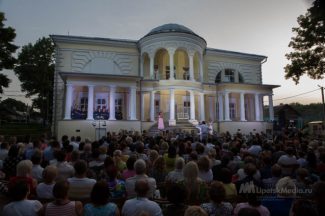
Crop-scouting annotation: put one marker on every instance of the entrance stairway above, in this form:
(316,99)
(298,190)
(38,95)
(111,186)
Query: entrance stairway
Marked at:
(181,126)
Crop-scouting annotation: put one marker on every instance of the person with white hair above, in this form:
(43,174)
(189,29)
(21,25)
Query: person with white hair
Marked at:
(140,173)
(177,174)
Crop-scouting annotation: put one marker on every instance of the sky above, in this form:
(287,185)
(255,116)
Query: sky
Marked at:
(252,26)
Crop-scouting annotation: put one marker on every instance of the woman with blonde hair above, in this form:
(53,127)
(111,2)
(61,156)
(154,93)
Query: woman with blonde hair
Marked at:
(158,171)
(24,173)
(196,188)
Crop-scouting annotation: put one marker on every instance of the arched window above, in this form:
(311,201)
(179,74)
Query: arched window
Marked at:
(218,78)
(229,75)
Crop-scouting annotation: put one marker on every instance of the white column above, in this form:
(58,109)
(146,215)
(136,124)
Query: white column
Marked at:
(172,107)
(142,106)
(90,111)
(152,106)
(211,110)
(152,59)
(220,106)
(171,52)
(261,108)
(227,116)
(190,56)
(271,111)
(257,107)
(242,107)
(68,101)
(202,110)
(133,103)
(192,103)
(201,68)
(112,93)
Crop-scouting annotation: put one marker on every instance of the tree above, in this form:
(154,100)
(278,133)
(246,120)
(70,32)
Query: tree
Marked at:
(35,70)
(308,56)
(7,61)
(14,104)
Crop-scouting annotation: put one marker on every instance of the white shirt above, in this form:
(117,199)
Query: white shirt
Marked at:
(45,191)
(65,170)
(206,176)
(22,208)
(130,183)
(175,176)
(134,207)
(80,188)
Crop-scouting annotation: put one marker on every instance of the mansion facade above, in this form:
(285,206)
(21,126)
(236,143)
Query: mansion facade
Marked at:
(106,84)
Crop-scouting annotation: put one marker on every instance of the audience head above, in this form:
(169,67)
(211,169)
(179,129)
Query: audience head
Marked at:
(191,171)
(60,190)
(80,168)
(204,164)
(50,173)
(286,187)
(276,170)
(140,167)
(248,212)
(303,207)
(141,187)
(217,192)
(176,194)
(195,211)
(19,191)
(36,157)
(179,163)
(130,162)
(100,193)
(24,168)
(226,175)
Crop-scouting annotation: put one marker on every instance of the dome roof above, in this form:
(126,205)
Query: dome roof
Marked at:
(171,27)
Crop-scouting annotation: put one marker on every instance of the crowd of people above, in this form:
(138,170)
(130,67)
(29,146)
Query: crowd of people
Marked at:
(132,174)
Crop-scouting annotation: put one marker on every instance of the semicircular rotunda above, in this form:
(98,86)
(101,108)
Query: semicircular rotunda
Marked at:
(104,84)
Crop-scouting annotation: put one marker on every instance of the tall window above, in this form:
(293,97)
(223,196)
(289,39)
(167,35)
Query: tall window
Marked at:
(229,75)
(83,103)
(187,107)
(232,110)
(118,108)
(157,107)
(101,103)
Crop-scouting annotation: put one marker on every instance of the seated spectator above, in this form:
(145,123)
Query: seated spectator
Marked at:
(4,149)
(20,205)
(86,154)
(158,171)
(176,195)
(230,188)
(37,170)
(250,171)
(118,161)
(11,161)
(253,202)
(177,174)
(170,158)
(212,153)
(62,205)
(288,162)
(24,173)
(96,164)
(140,170)
(195,211)
(319,197)
(196,187)
(303,207)
(248,212)
(217,206)
(116,186)
(276,172)
(65,170)
(205,172)
(216,170)
(80,185)
(285,194)
(141,203)
(100,204)
(153,155)
(129,172)
(44,190)
(241,172)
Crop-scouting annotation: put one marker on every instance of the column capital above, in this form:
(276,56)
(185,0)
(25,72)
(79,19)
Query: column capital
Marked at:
(91,85)
(191,53)
(68,84)
(171,50)
(151,54)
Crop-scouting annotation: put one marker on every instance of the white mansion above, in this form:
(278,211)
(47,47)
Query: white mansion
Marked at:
(104,84)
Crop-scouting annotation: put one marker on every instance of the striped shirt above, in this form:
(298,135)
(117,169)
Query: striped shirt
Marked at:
(68,209)
(80,188)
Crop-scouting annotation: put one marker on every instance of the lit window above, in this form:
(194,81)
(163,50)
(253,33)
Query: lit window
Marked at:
(229,75)
(232,110)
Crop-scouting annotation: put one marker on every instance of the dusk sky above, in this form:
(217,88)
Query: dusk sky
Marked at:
(252,26)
